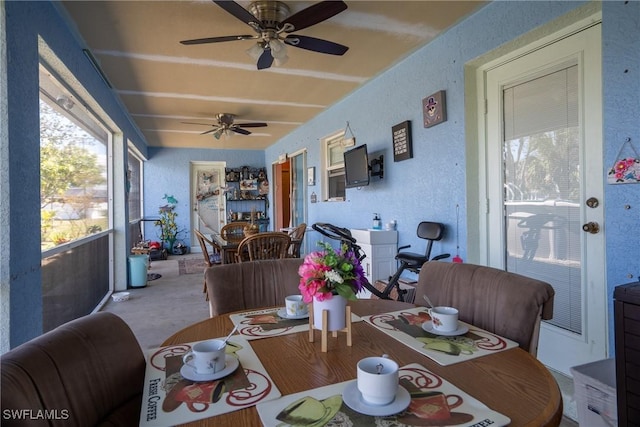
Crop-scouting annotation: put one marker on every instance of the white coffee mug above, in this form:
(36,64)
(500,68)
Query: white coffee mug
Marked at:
(295,306)
(377,380)
(206,357)
(444,319)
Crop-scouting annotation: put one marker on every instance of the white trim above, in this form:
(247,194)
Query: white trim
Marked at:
(558,348)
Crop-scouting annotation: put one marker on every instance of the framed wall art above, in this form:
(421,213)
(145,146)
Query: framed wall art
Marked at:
(434,109)
(402,145)
(311,175)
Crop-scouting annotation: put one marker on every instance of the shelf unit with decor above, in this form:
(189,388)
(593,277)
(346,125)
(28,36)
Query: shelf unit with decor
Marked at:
(248,189)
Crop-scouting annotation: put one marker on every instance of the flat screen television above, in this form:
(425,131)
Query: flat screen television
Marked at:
(356,167)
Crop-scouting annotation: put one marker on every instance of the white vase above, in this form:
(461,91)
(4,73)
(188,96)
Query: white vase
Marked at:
(337,308)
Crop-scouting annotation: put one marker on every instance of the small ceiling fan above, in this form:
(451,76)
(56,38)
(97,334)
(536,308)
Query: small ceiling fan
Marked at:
(272,23)
(226,126)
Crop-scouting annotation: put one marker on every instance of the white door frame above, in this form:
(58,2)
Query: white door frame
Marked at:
(592,344)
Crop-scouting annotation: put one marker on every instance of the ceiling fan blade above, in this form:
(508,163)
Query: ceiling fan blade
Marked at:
(192,123)
(265,60)
(218,39)
(316,45)
(210,131)
(240,131)
(240,12)
(314,14)
(251,125)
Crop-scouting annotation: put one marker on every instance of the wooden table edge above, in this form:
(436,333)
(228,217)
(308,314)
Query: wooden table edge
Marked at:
(550,417)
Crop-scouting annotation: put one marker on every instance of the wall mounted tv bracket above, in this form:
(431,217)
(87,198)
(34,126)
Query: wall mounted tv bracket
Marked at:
(376,167)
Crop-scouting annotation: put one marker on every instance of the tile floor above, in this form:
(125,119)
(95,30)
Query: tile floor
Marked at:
(175,301)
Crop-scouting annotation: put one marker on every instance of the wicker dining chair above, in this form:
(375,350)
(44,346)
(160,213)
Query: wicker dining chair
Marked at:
(233,230)
(296,235)
(209,259)
(269,245)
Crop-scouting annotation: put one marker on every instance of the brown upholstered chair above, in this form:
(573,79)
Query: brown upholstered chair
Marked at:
(252,284)
(269,245)
(90,371)
(296,235)
(504,303)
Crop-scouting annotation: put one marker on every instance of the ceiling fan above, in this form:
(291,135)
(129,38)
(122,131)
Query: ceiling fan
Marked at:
(226,126)
(272,23)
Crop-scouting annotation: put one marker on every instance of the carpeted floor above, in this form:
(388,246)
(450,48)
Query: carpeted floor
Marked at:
(191,266)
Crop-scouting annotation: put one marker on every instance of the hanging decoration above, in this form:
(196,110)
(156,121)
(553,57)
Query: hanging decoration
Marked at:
(625,170)
(208,185)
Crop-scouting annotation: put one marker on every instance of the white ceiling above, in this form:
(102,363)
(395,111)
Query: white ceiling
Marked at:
(164,83)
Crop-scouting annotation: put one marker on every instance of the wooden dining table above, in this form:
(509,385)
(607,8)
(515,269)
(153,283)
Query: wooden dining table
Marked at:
(511,382)
(228,246)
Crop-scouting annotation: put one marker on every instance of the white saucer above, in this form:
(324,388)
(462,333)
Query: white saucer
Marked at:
(283,313)
(352,397)
(230,365)
(462,329)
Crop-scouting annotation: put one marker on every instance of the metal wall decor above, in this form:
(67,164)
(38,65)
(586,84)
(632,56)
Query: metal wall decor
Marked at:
(434,109)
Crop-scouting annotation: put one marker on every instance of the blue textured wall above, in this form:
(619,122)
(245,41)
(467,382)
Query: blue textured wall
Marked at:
(167,172)
(25,21)
(621,75)
(431,184)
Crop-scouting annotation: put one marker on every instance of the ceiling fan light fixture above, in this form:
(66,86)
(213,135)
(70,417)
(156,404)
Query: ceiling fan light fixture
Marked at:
(278,49)
(255,51)
(278,62)
(227,134)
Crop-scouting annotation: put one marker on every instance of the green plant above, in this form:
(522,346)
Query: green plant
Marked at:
(168,226)
(59,237)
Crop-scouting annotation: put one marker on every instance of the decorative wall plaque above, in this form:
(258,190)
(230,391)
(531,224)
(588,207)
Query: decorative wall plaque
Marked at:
(402,146)
(434,109)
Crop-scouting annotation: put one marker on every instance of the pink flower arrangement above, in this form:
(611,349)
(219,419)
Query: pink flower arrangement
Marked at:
(328,272)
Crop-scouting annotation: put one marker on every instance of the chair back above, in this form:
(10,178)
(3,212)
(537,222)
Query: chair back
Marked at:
(296,235)
(269,245)
(252,284)
(431,232)
(92,367)
(208,258)
(504,303)
(233,230)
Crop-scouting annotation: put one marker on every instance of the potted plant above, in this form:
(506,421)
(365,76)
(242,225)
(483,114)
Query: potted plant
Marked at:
(329,278)
(167,223)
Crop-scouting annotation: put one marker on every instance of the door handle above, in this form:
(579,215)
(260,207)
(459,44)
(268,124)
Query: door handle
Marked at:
(591,227)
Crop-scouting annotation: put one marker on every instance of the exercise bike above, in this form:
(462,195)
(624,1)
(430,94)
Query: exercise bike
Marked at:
(431,231)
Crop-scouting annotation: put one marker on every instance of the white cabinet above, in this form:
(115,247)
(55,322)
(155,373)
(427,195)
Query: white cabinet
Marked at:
(380,248)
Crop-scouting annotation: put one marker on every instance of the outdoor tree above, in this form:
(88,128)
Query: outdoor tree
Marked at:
(70,173)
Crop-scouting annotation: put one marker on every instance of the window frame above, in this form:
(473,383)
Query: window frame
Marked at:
(133,154)
(52,89)
(331,171)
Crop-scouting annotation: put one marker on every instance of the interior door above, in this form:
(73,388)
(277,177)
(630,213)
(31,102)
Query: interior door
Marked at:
(545,181)
(281,195)
(207,199)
